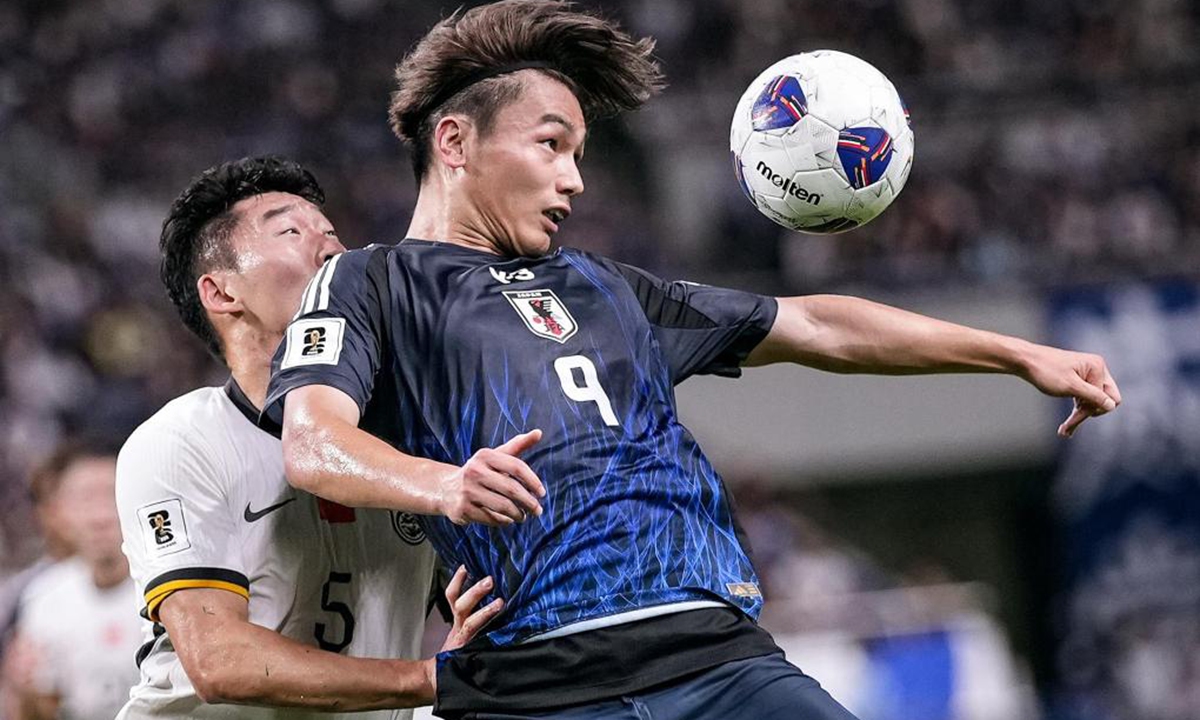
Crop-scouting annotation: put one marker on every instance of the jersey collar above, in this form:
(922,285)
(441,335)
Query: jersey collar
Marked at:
(483,254)
(238,397)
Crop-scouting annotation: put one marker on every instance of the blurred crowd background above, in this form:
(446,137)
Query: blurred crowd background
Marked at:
(1056,148)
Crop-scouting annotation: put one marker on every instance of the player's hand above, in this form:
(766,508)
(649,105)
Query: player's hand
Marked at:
(1082,376)
(494,487)
(467,624)
(468,620)
(20,664)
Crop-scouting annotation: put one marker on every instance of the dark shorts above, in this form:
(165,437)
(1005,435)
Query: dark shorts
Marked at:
(763,688)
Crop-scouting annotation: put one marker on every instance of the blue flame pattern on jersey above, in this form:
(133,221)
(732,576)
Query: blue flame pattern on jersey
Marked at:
(634,515)
(865,153)
(781,104)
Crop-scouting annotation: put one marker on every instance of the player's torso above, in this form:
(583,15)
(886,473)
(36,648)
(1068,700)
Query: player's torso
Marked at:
(306,558)
(557,342)
(352,581)
(90,637)
(485,349)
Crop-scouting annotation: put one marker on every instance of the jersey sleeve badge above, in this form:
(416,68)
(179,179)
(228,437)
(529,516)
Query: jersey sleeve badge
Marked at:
(164,529)
(314,342)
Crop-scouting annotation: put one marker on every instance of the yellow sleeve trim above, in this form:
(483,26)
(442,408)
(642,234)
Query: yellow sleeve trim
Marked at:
(156,595)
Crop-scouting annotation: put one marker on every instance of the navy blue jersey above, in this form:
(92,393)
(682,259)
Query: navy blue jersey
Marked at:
(448,350)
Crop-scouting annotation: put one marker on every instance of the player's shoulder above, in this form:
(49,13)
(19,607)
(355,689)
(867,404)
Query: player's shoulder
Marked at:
(587,261)
(56,580)
(361,261)
(346,275)
(187,438)
(358,259)
(191,418)
(637,278)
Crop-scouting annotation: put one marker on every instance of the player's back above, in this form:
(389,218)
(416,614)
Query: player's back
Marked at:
(204,503)
(462,350)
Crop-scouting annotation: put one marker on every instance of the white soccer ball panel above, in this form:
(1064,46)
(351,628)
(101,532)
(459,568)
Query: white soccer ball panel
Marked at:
(823,140)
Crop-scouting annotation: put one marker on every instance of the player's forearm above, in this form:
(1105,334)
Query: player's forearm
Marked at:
(245,664)
(852,335)
(330,458)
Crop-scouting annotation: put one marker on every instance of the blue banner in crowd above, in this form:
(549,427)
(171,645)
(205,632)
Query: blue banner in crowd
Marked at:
(1127,500)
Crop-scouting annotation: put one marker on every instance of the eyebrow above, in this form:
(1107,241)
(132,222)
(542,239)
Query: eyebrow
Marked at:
(273,212)
(559,119)
(570,126)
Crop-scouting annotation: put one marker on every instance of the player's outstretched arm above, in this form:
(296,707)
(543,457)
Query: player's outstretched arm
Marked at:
(231,660)
(326,454)
(852,335)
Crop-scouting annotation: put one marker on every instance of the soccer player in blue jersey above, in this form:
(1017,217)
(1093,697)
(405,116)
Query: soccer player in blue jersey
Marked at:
(629,592)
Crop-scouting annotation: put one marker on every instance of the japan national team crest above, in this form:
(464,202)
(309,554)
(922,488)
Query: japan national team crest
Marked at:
(543,313)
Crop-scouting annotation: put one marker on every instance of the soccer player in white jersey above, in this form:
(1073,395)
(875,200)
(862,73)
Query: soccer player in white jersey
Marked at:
(256,594)
(74,623)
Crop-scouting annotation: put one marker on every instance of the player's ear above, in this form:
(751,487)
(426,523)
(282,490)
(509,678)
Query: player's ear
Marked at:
(450,139)
(216,295)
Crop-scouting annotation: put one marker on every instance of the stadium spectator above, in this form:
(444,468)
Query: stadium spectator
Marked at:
(76,627)
(48,509)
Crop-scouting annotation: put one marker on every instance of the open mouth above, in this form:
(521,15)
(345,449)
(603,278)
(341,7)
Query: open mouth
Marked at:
(556,215)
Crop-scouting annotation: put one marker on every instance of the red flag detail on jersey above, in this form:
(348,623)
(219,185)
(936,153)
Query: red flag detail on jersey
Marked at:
(332,512)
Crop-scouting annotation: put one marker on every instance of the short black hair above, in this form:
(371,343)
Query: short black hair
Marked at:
(195,236)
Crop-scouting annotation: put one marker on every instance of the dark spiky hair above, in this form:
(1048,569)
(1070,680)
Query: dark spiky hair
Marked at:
(608,70)
(196,234)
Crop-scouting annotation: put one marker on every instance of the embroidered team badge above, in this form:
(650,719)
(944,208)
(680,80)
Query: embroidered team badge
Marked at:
(543,313)
(408,528)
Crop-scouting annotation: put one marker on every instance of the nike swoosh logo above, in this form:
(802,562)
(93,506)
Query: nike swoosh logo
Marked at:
(255,515)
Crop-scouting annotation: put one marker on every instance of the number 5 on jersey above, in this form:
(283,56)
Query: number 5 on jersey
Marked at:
(590,390)
(341,609)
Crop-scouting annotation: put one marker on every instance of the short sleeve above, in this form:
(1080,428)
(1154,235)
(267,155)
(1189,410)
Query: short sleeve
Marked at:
(178,523)
(702,330)
(335,338)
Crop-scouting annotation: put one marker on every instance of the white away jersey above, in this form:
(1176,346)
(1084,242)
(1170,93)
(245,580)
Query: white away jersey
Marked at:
(204,503)
(84,639)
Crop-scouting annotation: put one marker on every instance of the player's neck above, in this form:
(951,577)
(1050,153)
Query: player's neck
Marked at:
(249,360)
(110,571)
(437,218)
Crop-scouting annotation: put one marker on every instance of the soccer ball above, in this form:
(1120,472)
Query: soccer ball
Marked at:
(821,142)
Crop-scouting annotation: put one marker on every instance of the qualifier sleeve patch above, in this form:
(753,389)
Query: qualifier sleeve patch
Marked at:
(313,342)
(164,529)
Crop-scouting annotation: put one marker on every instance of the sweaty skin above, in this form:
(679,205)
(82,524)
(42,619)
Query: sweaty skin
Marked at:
(280,241)
(502,192)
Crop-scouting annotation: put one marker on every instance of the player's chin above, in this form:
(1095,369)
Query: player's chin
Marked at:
(535,244)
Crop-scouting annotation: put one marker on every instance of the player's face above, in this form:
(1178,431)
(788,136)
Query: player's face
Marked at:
(281,240)
(522,174)
(88,494)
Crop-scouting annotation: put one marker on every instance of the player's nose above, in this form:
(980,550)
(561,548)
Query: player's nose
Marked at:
(328,247)
(570,181)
